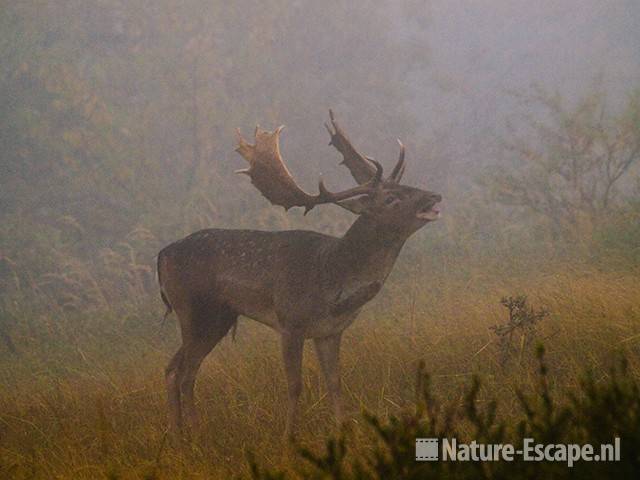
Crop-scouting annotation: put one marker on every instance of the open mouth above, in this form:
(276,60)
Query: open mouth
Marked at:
(430,213)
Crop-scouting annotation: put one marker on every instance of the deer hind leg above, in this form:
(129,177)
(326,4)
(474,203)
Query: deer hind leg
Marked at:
(292,347)
(202,328)
(328,350)
(173,390)
(210,329)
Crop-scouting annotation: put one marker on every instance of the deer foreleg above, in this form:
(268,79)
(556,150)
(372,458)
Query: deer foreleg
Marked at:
(328,350)
(292,346)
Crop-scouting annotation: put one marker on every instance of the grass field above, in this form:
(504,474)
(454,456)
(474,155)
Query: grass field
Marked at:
(84,395)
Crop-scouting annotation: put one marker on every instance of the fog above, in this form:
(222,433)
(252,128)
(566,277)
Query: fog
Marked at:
(481,53)
(117,138)
(440,75)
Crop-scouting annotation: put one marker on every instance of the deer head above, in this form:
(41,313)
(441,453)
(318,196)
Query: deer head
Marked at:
(384,200)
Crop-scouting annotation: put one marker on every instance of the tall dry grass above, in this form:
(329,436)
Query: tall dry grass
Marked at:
(84,395)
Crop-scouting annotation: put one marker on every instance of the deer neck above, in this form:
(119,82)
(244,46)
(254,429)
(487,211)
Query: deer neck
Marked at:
(366,252)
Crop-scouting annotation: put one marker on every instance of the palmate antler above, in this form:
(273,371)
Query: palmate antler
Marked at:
(271,177)
(359,165)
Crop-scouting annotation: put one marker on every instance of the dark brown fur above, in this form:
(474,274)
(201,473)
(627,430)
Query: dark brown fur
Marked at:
(305,285)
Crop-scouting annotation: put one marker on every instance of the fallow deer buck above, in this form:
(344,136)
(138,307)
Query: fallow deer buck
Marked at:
(303,284)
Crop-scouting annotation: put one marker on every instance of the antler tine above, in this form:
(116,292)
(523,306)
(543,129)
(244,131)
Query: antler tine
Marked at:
(360,168)
(398,170)
(330,197)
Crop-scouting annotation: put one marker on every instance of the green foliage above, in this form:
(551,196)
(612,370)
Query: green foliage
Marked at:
(596,413)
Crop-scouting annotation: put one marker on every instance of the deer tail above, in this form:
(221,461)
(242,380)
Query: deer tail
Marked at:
(234,329)
(164,298)
(168,305)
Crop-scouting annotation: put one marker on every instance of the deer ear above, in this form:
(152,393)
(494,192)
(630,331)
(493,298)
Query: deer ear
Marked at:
(357,205)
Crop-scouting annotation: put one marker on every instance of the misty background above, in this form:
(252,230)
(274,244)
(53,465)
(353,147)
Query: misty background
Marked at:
(117,137)
(117,128)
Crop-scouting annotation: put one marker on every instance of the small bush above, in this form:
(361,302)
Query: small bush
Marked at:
(522,324)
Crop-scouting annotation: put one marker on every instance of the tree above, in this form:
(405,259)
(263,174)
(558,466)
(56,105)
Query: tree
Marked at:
(579,166)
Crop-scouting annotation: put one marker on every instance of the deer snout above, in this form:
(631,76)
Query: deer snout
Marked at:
(428,210)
